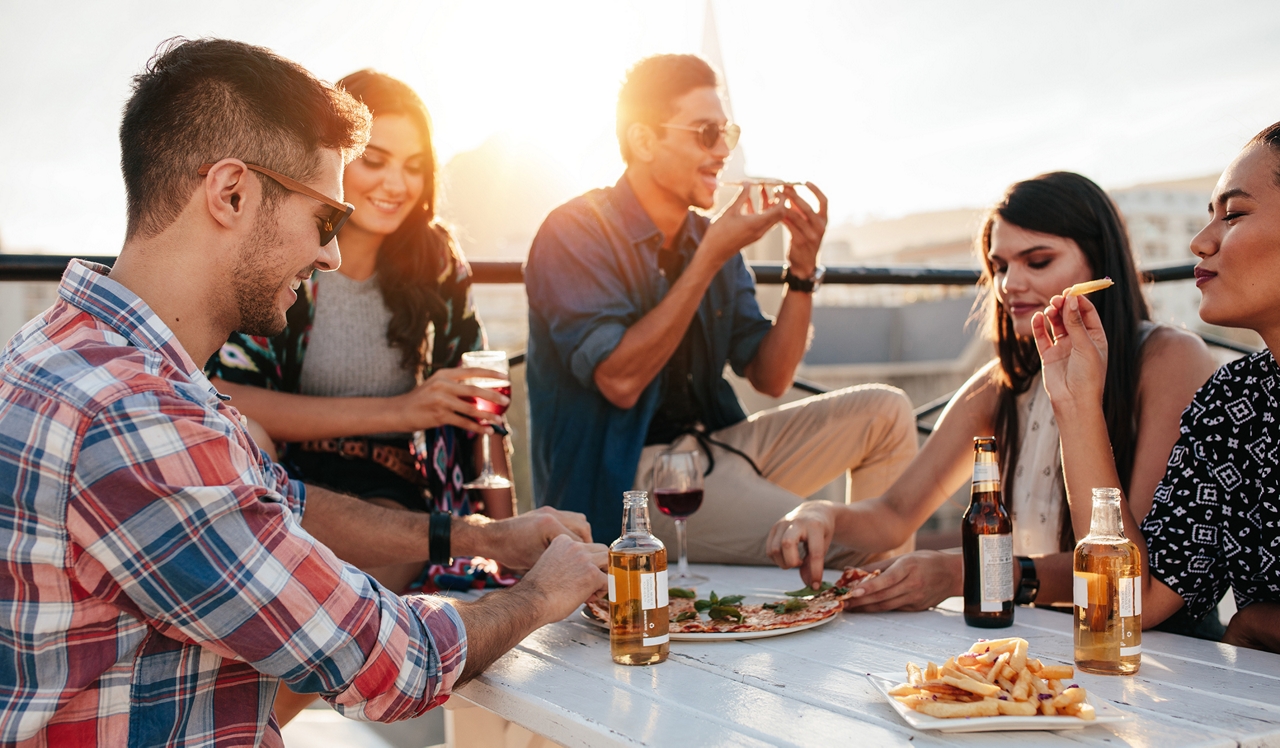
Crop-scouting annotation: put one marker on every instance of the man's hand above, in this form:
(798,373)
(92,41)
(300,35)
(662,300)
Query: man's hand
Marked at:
(740,224)
(568,574)
(1255,627)
(914,581)
(439,402)
(801,538)
(807,228)
(517,543)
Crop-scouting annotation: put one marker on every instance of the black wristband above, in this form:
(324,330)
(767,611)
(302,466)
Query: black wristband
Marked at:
(1029,586)
(441,543)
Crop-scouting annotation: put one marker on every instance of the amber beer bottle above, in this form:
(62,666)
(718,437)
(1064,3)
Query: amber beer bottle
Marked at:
(638,620)
(1108,592)
(987,538)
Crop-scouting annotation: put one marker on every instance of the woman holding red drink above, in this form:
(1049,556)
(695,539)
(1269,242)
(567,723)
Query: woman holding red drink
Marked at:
(365,388)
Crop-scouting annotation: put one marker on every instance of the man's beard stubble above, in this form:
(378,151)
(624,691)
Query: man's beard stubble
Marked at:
(258,279)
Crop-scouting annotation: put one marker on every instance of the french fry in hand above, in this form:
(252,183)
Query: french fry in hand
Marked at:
(1080,289)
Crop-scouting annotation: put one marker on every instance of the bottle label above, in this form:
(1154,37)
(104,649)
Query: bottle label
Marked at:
(1130,596)
(662,589)
(1130,589)
(613,590)
(986,476)
(985,471)
(995,554)
(1080,591)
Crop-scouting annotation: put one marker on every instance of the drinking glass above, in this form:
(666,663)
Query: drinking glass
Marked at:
(496,361)
(677,489)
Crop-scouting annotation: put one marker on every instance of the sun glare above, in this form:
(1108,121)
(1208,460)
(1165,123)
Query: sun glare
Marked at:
(545,81)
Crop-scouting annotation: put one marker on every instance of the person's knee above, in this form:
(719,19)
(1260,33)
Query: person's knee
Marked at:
(889,408)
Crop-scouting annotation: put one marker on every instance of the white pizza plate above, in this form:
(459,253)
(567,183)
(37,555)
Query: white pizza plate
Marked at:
(1107,714)
(719,636)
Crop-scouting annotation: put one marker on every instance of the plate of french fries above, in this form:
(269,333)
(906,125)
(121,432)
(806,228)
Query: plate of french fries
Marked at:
(996,685)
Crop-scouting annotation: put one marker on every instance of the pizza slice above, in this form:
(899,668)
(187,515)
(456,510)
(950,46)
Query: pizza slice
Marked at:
(729,615)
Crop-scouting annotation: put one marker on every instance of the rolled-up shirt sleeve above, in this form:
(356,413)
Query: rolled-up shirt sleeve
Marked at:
(575,284)
(173,520)
(750,325)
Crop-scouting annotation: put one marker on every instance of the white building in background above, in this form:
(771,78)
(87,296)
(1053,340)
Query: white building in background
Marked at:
(21,301)
(1162,218)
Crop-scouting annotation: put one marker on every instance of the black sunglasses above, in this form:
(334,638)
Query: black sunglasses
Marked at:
(338,214)
(709,134)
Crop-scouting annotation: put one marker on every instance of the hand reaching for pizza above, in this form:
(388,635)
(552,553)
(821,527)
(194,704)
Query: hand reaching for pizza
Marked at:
(913,581)
(802,538)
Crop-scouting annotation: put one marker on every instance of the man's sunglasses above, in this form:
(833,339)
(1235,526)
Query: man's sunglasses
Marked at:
(709,134)
(338,214)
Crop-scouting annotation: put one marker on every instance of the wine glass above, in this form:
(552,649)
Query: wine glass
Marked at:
(677,489)
(495,361)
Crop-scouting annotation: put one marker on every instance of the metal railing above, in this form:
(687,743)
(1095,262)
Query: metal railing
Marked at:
(49,268)
(38,267)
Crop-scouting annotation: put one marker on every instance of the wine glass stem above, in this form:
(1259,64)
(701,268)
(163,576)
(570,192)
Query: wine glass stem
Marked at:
(484,447)
(684,559)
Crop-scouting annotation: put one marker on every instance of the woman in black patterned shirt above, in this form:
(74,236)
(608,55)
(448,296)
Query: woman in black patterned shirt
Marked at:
(1215,518)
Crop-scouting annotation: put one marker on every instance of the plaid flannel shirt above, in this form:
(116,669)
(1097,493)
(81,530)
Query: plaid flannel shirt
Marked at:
(155,582)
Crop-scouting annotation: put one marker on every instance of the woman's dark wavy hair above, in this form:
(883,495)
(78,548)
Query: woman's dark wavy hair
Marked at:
(1071,206)
(413,258)
(1270,137)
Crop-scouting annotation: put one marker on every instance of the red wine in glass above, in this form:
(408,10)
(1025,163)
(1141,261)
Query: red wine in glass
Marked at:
(676,503)
(501,386)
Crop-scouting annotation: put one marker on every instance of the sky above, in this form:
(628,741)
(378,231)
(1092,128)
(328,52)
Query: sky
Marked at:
(891,108)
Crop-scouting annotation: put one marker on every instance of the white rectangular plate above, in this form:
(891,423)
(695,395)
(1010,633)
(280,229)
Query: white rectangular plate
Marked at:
(1107,714)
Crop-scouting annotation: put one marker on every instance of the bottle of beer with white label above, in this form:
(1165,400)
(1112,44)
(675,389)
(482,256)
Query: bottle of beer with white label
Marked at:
(637,588)
(986,534)
(1108,592)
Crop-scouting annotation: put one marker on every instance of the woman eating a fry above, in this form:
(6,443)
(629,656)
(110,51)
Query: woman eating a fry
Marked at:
(1046,235)
(1215,521)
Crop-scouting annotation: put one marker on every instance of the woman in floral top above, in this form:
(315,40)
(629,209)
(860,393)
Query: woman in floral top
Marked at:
(370,356)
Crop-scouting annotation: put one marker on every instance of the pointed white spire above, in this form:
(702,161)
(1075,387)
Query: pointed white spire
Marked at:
(711,53)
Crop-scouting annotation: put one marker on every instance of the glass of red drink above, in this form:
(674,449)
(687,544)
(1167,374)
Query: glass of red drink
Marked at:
(677,490)
(494,361)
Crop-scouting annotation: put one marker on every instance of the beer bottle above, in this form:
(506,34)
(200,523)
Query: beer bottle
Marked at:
(638,620)
(1107,592)
(987,539)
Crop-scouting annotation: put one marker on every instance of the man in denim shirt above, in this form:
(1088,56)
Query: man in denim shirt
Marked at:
(636,303)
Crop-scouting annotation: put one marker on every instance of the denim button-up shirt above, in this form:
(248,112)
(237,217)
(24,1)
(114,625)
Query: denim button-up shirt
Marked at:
(592,273)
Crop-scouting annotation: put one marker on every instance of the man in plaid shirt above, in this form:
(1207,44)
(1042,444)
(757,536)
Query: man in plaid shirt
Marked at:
(156,584)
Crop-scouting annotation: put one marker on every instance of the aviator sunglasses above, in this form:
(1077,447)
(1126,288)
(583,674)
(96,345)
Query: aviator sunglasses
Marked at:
(338,214)
(709,133)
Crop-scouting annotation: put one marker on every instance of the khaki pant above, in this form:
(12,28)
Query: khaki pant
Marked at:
(867,431)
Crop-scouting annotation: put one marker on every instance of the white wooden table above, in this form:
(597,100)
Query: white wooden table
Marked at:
(809,688)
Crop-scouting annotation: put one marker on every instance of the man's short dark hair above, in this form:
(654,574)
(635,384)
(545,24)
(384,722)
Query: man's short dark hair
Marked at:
(204,100)
(652,85)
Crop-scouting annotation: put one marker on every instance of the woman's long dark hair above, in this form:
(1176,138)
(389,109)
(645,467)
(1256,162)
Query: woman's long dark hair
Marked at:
(413,258)
(1071,206)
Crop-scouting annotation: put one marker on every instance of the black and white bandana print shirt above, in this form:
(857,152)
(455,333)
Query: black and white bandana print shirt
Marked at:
(1215,520)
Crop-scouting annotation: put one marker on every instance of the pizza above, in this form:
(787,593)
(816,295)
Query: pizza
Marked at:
(728,614)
